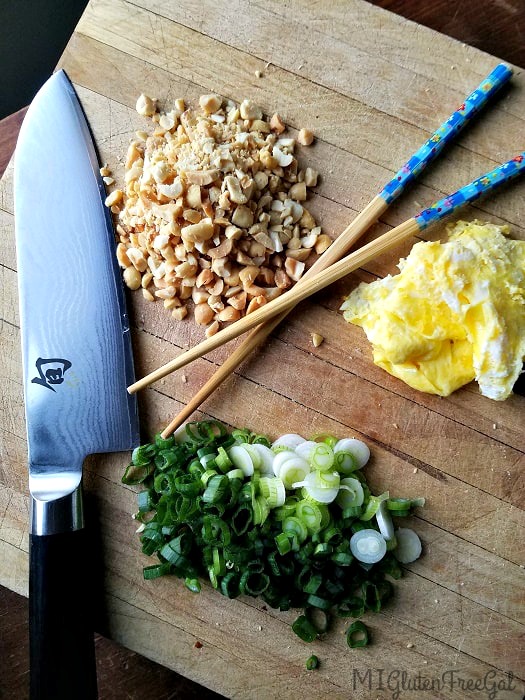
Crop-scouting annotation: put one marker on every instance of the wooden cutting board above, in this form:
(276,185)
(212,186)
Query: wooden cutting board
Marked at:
(372,86)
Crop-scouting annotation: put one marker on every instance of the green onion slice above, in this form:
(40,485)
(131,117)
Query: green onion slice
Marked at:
(373,506)
(304,629)
(351,607)
(357,635)
(312,663)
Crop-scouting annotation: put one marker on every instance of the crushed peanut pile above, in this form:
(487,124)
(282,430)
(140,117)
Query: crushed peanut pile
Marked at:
(213,210)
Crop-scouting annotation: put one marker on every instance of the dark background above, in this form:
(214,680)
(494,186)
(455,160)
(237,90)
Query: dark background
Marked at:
(33,35)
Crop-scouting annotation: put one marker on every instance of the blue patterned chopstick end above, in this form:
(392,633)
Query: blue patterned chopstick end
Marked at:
(471,192)
(446,132)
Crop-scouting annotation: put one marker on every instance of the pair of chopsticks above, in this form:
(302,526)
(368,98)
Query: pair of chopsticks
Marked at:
(331,266)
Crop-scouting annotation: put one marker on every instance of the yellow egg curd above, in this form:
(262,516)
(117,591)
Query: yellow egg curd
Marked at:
(454,313)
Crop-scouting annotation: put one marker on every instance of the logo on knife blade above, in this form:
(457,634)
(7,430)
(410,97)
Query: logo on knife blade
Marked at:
(50,371)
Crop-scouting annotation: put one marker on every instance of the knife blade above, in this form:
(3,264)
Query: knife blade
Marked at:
(77,362)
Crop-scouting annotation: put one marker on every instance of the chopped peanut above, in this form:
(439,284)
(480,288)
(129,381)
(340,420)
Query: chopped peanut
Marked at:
(114,198)
(145,106)
(210,103)
(256,303)
(211,209)
(229,313)
(305,137)
(317,339)
(276,124)
(203,314)
(212,329)
(323,243)
(132,277)
(180,312)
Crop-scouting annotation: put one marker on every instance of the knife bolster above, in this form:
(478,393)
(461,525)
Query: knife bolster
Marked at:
(60,515)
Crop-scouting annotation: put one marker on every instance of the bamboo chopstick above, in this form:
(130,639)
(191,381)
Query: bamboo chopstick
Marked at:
(439,210)
(350,235)
(421,158)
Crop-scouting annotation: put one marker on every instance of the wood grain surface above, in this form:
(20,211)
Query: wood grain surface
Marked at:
(372,86)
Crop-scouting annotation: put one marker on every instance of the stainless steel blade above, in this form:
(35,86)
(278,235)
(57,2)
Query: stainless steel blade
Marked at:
(75,333)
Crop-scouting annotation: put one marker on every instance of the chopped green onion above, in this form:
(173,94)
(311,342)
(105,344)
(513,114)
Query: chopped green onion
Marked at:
(253,583)
(192,584)
(397,504)
(313,584)
(304,629)
(345,462)
(310,514)
(144,502)
(408,545)
(384,522)
(351,607)
(368,546)
(318,617)
(155,571)
(318,602)
(373,505)
(357,635)
(328,439)
(290,441)
(216,489)
(142,455)
(222,460)
(322,487)
(292,470)
(272,488)
(352,512)
(342,558)
(351,493)
(242,519)
(358,449)
(137,474)
(312,663)
(254,454)
(261,510)
(322,457)
(230,585)
(304,450)
(280,458)
(259,521)
(266,457)
(241,459)
(235,474)
(283,544)
(294,526)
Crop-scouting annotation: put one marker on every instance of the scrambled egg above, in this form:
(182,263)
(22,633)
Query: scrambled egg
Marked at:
(456,312)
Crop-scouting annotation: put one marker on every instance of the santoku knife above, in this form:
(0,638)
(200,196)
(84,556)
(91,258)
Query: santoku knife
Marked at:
(77,363)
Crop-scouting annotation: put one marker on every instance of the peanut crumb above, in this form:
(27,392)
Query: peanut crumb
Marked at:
(410,645)
(305,137)
(258,74)
(317,339)
(415,470)
(395,425)
(184,379)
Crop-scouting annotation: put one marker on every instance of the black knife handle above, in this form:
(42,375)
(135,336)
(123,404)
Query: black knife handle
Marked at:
(62,648)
